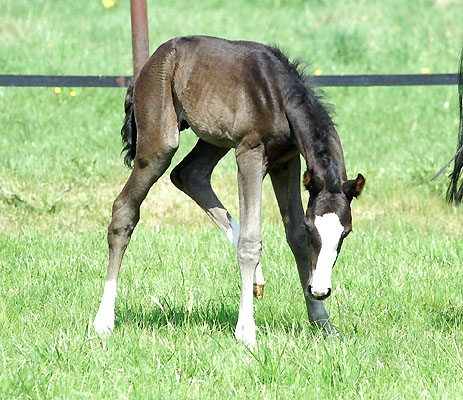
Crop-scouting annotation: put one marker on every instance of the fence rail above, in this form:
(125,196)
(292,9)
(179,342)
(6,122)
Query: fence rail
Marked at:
(387,80)
(64,81)
(324,80)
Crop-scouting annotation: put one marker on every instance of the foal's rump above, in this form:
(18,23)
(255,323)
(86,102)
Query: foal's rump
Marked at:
(150,120)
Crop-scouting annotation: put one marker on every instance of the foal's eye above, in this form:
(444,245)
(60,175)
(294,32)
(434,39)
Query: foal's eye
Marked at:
(308,229)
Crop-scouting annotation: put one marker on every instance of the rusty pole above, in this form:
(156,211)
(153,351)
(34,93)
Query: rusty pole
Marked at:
(140,39)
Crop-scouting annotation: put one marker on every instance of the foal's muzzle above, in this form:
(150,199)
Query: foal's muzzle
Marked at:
(317,295)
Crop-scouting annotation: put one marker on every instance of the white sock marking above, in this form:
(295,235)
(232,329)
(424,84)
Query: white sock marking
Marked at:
(245,330)
(259,275)
(330,229)
(245,327)
(104,320)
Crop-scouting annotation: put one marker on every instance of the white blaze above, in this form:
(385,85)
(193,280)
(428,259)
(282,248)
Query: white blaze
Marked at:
(330,230)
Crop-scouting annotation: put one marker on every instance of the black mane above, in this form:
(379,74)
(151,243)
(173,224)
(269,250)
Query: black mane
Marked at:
(302,97)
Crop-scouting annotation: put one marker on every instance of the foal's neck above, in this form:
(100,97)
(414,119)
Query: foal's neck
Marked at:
(324,157)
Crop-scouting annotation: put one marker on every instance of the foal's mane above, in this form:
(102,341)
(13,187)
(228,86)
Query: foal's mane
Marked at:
(302,96)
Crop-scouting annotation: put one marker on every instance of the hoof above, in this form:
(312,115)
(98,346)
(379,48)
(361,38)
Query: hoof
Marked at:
(330,332)
(247,335)
(258,291)
(250,343)
(103,324)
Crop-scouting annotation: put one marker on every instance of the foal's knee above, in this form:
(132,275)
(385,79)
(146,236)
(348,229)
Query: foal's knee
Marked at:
(249,250)
(297,239)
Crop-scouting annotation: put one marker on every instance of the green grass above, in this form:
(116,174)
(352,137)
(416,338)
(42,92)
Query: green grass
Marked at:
(397,295)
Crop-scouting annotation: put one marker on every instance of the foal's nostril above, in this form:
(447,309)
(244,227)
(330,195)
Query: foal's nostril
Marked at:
(308,291)
(317,295)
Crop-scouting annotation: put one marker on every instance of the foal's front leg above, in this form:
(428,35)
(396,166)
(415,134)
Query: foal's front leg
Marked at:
(287,186)
(251,172)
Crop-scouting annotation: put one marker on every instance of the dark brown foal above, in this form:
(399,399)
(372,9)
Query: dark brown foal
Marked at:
(249,97)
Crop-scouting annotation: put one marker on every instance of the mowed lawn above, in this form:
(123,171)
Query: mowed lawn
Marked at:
(397,286)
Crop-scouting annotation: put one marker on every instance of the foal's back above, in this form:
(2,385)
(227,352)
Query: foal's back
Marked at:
(228,91)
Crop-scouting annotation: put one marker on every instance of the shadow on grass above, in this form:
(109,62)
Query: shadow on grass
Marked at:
(166,313)
(452,316)
(447,319)
(215,314)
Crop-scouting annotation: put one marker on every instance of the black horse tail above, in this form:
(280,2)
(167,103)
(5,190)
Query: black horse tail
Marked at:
(455,193)
(129,129)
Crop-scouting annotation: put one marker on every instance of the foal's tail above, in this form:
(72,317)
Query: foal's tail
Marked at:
(453,192)
(129,129)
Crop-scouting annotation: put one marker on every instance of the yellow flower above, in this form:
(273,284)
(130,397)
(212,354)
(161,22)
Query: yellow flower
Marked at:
(425,70)
(57,90)
(108,3)
(318,72)
(73,93)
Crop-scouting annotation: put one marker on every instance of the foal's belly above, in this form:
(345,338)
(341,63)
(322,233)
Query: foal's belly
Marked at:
(227,124)
(213,135)
(212,124)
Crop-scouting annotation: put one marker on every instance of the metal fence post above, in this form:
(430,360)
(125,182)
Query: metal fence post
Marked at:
(140,39)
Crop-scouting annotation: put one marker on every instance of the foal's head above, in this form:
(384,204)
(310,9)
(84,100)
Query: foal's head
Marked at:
(328,221)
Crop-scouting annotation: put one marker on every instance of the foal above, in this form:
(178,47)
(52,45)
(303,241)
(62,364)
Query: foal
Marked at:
(246,96)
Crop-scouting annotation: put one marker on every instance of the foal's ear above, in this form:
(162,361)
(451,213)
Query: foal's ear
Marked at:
(307,180)
(354,187)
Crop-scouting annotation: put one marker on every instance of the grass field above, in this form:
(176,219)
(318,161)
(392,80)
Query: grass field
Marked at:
(397,295)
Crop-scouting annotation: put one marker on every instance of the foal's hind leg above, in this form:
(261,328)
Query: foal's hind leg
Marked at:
(125,216)
(193,177)
(151,162)
(286,183)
